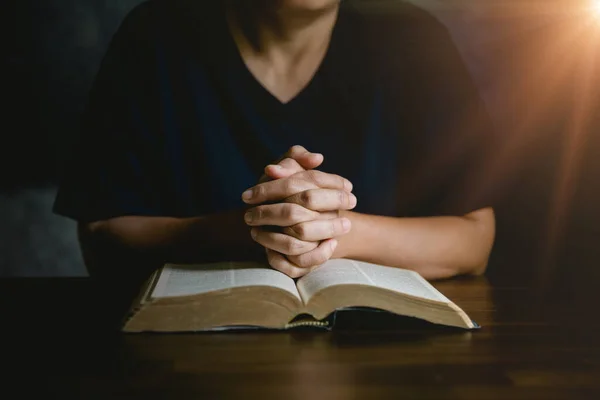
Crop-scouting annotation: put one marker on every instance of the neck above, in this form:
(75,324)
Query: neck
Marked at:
(288,33)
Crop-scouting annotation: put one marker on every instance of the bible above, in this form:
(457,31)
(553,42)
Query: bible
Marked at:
(180,298)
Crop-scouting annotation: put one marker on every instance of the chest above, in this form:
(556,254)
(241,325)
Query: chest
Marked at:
(284,77)
(228,127)
(359,137)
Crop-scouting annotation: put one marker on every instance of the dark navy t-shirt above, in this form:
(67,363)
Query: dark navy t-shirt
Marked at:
(178,126)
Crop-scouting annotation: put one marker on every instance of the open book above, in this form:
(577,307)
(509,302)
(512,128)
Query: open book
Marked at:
(229,295)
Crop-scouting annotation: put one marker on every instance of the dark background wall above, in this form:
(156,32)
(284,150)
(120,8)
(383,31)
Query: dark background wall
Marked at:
(533,61)
(53,51)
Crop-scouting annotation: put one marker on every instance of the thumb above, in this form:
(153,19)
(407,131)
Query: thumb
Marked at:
(308,160)
(286,167)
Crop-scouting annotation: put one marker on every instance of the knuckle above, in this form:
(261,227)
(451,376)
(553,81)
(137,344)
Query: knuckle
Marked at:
(342,198)
(296,214)
(287,246)
(299,231)
(290,212)
(307,260)
(307,198)
(295,273)
(291,186)
(296,260)
(301,262)
(313,177)
(287,211)
(335,226)
(258,214)
(260,192)
(292,245)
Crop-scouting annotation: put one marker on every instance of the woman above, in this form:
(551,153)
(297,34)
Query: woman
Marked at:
(193,102)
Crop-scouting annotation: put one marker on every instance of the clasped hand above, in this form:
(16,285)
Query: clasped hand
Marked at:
(294,212)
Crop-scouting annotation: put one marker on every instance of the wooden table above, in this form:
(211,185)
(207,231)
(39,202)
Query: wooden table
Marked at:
(537,342)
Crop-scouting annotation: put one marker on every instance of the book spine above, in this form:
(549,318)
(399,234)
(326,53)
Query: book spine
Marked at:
(316,324)
(327,323)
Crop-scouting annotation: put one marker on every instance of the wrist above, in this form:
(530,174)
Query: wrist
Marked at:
(346,247)
(215,235)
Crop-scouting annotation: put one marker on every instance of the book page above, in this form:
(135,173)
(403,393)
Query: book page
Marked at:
(184,280)
(343,272)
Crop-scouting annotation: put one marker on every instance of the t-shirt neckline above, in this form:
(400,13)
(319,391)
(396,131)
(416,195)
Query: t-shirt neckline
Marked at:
(259,90)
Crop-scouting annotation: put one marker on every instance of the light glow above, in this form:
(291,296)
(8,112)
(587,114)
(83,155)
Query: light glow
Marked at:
(596,8)
(560,42)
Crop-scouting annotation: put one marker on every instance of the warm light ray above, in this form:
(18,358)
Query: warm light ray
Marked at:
(544,58)
(596,8)
(575,139)
(533,90)
(537,92)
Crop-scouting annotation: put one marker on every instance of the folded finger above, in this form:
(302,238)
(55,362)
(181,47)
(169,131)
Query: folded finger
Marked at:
(305,158)
(283,188)
(282,243)
(279,214)
(316,257)
(295,153)
(280,263)
(286,167)
(324,200)
(316,231)
(329,215)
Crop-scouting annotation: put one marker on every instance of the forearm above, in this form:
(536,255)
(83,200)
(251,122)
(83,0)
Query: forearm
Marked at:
(436,247)
(157,240)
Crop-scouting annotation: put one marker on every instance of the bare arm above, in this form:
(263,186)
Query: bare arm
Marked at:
(149,242)
(436,247)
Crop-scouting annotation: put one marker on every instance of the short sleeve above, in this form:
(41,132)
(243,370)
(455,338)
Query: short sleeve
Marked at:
(449,166)
(107,175)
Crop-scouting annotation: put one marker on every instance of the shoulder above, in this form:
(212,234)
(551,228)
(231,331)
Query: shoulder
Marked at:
(392,17)
(177,22)
(396,33)
(400,39)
